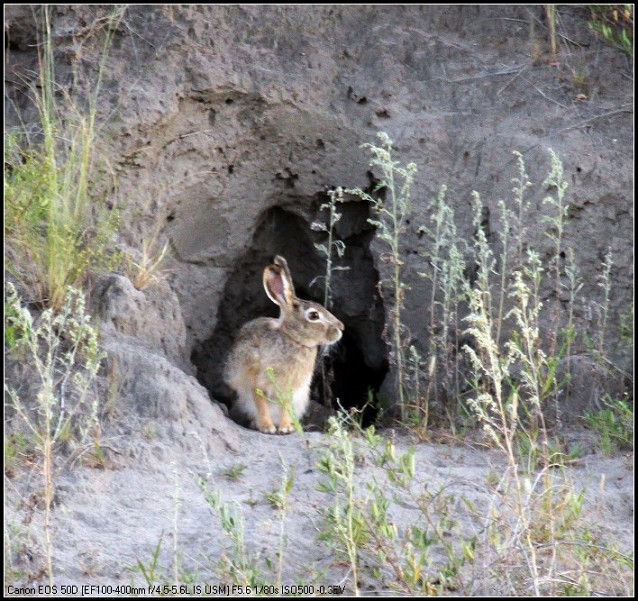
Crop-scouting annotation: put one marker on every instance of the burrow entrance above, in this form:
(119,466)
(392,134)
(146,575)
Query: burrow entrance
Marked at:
(359,363)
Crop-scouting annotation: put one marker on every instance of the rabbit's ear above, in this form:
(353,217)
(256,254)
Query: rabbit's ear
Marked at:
(278,285)
(279,260)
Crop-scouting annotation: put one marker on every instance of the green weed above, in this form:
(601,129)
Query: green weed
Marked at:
(58,234)
(614,424)
(614,23)
(235,472)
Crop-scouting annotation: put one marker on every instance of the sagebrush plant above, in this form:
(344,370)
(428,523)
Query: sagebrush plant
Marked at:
(390,215)
(555,231)
(605,284)
(574,286)
(63,350)
(536,512)
(446,264)
(57,233)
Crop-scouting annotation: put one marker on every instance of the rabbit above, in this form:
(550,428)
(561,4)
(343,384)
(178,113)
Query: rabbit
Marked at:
(272,361)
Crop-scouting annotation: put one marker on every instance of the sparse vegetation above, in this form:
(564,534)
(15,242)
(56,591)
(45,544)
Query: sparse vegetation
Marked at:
(65,356)
(240,565)
(358,525)
(503,291)
(513,375)
(58,234)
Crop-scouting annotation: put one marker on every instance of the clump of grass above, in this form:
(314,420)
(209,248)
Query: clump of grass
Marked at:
(148,270)
(235,472)
(64,352)
(614,424)
(390,221)
(151,571)
(280,499)
(57,234)
(614,23)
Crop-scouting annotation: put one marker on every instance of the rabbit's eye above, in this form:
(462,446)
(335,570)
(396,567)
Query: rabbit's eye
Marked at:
(312,315)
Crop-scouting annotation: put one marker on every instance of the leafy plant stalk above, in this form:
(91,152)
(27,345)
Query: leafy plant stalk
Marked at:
(390,220)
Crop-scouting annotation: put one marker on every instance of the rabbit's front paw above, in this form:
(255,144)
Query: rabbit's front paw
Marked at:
(286,429)
(266,427)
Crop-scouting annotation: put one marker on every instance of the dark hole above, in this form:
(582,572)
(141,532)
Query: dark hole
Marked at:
(362,100)
(359,361)
(231,169)
(353,383)
(170,217)
(229,101)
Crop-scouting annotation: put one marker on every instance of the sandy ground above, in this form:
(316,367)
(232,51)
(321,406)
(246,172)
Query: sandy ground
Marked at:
(148,501)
